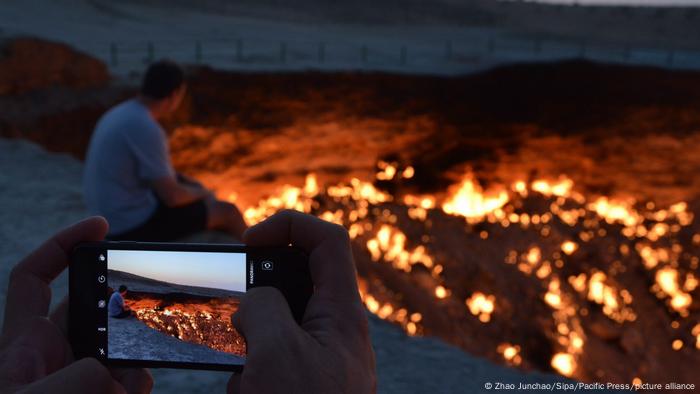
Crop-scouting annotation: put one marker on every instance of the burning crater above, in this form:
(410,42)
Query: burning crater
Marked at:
(534,274)
(200,320)
(489,210)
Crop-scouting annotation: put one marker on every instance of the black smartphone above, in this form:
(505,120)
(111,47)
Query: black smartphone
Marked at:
(169,305)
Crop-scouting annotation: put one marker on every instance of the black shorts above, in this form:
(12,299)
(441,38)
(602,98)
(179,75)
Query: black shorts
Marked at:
(169,223)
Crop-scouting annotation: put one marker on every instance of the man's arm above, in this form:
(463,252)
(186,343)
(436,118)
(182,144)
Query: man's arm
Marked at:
(174,194)
(122,304)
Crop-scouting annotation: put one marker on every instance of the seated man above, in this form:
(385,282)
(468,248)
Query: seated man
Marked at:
(129,178)
(116,307)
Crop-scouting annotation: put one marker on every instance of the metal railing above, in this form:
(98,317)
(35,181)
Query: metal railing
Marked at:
(430,56)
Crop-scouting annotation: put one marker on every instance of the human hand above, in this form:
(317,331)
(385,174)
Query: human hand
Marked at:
(35,356)
(331,351)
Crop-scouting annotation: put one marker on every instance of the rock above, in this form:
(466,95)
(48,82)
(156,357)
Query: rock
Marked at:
(29,64)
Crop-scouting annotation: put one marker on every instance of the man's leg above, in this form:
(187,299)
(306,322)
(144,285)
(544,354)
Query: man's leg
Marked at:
(224,216)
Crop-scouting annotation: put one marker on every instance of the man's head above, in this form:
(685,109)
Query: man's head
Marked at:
(163,87)
(122,290)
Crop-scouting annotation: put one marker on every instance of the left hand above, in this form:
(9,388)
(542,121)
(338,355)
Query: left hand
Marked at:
(35,356)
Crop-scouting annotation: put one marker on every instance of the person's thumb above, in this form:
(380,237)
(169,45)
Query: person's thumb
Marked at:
(264,317)
(274,341)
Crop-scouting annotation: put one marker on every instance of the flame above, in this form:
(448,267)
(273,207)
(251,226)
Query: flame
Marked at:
(510,353)
(677,344)
(386,172)
(481,305)
(616,211)
(569,247)
(470,201)
(441,292)
(289,197)
(560,188)
(419,206)
(564,363)
(667,279)
(389,244)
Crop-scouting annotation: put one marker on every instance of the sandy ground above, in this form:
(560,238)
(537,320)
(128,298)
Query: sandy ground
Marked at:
(40,193)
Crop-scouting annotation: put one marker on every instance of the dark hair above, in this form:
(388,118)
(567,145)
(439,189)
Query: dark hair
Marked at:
(122,288)
(162,79)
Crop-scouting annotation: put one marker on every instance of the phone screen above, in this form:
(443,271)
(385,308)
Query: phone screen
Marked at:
(173,306)
(170,305)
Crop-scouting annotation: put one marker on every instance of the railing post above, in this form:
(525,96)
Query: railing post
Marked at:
(283,52)
(321,52)
(150,56)
(670,58)
(113,54)
(239,50)
(198,52)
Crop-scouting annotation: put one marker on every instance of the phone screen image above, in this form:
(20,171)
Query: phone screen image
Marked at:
(173,306)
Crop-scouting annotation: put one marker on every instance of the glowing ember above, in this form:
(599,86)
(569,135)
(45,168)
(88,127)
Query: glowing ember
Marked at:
(677,344)
(616,211)
(564,363)
(481,305)
(560,188)
(510,353)
(569,247)
(696,334)
(667,280)
(441,292)
(390,243)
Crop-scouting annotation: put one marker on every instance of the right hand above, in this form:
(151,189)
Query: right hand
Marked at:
(331,351)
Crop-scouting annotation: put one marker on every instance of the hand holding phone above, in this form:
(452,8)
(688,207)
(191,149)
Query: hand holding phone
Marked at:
(170,305)
(330,351)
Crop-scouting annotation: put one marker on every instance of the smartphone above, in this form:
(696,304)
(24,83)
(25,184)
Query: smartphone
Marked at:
(169,305)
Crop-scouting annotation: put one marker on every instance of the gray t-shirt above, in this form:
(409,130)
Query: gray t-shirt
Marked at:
(127,151)
(116,304)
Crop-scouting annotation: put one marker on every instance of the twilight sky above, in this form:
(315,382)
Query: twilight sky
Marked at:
(217,270)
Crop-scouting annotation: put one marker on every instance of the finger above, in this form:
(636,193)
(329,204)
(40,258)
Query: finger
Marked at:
(59,316)
(134,380)
(41,349)
(28,293)
(262,312)
(81,377)
(330,257)
(274,341)
(234,384)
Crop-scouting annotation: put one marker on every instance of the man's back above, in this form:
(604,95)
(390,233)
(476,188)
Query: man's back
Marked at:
(127,151)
